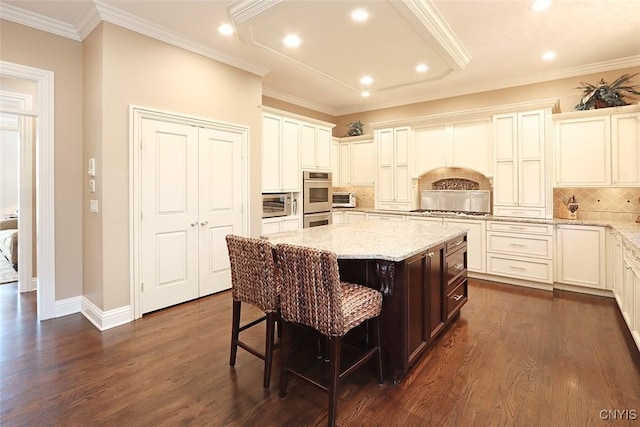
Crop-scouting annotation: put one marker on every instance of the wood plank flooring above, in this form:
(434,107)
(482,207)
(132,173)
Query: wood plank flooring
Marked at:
(515,357)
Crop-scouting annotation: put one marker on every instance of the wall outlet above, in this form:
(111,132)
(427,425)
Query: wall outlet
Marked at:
(92,167)
(93,206)
(92,185)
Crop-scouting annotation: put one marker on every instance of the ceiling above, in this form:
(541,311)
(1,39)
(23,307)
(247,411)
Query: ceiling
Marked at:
(469,45)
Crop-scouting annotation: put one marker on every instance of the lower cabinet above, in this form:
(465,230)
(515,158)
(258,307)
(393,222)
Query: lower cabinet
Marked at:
(581,255)
(276,225)
(476,245)
(383,217)
(351,217)
(520,250)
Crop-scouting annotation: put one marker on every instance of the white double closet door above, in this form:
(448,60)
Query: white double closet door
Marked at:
(191,198)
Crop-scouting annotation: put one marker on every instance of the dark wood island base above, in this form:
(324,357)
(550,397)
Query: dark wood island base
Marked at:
(423,294)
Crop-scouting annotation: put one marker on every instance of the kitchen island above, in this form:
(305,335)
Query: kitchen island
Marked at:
(419,268)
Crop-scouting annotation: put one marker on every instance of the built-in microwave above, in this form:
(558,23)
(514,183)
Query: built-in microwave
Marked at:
(277,204)
(344,199)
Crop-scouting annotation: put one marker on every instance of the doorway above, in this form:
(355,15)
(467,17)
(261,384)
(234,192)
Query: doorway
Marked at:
(189,190)
(40,115)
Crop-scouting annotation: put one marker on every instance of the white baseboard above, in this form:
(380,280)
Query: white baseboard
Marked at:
(104,320)
(68,306)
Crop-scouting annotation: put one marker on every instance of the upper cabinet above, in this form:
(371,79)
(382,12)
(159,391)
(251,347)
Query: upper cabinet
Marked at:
(520,181)
(393,186)
(356,161)
(465,144)
(597,148)
(315,144)
(280,154)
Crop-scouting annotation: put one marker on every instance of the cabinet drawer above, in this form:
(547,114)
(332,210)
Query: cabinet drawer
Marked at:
(518,212)
(456,244)
(520,227)
(456,299)
(456,266)
(521,245)
(538,270)
(394,218)
(394,206)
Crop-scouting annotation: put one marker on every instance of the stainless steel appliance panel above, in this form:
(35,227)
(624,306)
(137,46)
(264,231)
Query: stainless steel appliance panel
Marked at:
(276,204)
(317,192)
(317,219)
(456,200)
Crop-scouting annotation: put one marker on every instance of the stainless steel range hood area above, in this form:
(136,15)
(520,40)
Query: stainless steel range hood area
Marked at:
(478,201)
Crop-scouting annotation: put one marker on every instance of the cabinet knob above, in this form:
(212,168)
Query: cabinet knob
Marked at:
(430,254)
(204,223)
(194,223)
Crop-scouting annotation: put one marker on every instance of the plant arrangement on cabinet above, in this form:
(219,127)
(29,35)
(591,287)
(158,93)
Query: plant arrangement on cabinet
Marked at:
(355,128)
(604,95)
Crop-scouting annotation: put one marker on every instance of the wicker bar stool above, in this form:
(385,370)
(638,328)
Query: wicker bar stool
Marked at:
(312,295)
(253,281)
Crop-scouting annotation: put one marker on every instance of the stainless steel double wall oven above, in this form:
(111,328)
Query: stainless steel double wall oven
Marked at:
(317,193)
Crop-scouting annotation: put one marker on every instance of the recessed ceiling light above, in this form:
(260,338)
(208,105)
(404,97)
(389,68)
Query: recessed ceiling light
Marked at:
(366,80)
(365,94)
(422,68)
(292,40)
(540,5)
(359,15)
(548,56)
(225,29)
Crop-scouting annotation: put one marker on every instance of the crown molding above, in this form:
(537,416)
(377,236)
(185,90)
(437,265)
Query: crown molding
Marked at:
(300,102)
(243,10)
(87,23)
(134,23)
(430,18)
(39,22)
(289,114)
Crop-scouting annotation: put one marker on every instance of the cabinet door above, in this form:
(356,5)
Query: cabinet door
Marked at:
(290,155)
(418,305)
(505,188)
(385,165)
(335,163)
(362,163)
(581,252)
(402,179)
(625,141)
(323,148)
(472,146)
(431,148)
(583,152)
(308,146)
(271,226)
(351,217)
(531,179)
(289,224)
(345,163)
(271,126)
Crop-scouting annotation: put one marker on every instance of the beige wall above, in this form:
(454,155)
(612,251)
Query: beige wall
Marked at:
(27,46)
(563,89)
(138,70)
(296,109)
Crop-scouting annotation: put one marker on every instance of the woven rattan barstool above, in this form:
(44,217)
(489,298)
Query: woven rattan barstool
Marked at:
(254,281)
(312,295)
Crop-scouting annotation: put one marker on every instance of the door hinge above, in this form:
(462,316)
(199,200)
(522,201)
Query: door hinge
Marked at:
(141,286)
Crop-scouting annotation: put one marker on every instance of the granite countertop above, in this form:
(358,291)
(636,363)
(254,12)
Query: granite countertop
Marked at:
(373,239)
(629,230)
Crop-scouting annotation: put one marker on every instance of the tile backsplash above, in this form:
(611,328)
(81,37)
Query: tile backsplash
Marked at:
(616,204)
(364,196)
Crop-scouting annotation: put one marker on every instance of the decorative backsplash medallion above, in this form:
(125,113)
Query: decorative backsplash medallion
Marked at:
(452,177)
(455,184)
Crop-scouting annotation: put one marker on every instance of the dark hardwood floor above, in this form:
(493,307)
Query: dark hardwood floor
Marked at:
(515,357)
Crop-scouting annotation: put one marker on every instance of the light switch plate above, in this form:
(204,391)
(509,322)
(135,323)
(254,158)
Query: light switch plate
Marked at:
(92,185)
(92,167)
(94,206)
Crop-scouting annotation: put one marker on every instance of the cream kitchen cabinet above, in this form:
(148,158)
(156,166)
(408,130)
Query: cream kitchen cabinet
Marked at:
(394,186)
(335,162)
(315,146)
(520,251)
(337,217)
(280,154)
(424,219)
(390,218)
(356,161)
(520,184)
(464,144)
(581,252)
(597,148)
(351,217)
(276,225)
(476,242)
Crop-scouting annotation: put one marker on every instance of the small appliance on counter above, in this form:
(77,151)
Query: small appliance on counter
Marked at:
(344,199)
(278,204)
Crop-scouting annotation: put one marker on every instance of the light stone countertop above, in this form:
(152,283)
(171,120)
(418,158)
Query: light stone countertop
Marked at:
(370,239)
(629,230)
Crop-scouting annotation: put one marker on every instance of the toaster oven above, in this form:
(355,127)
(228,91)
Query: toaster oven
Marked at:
(344,200)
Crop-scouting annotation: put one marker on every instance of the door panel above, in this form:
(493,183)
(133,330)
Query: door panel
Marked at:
(220,204)
(169,183)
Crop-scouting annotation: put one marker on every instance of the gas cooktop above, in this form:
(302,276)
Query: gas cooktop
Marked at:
(450,213)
